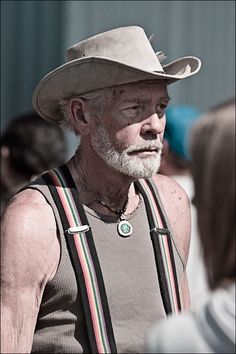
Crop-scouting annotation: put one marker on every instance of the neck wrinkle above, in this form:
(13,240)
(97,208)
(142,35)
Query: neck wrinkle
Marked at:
(112,193)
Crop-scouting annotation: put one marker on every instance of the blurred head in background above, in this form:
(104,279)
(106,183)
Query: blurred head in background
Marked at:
(179,122)
(29,146)
(213,169)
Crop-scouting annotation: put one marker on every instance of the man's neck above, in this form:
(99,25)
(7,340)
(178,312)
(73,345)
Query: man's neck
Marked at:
(95,180)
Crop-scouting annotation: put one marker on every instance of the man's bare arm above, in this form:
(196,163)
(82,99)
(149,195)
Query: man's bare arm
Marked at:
(177,206)
(29,258)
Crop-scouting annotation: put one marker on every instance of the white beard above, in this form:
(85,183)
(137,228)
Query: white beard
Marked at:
(132,166)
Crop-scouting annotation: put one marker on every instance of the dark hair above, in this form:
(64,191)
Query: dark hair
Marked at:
(213,167)
(35,145)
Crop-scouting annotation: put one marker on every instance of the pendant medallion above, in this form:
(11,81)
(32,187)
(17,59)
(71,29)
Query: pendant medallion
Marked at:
(124,228)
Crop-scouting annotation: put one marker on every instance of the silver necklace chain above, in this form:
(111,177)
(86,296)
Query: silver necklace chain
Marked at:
(119,212)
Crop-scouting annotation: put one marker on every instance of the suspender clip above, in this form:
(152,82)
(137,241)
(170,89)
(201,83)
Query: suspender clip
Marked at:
(160,231)
(77,229)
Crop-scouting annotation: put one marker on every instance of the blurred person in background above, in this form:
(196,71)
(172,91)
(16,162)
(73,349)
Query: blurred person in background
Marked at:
(110,230)
(176,163)
(29,146)
(211,328)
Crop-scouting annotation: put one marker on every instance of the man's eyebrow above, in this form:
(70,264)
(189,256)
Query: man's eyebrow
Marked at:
(166,98)
(136,100)
(143,100)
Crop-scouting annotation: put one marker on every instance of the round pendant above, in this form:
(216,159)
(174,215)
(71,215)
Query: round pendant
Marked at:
(124,228)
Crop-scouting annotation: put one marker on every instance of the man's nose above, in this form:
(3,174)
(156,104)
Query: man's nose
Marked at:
(153,124)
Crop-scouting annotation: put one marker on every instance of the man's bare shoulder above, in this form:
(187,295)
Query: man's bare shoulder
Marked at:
(177,207)
(169,188)
(29,229)
(27,206)
(26,197)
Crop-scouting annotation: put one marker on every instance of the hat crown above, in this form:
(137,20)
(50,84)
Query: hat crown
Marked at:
(117,57)
(127,45)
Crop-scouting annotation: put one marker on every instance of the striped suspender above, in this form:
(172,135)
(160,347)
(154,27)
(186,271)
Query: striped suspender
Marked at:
(84,260)
(162,246)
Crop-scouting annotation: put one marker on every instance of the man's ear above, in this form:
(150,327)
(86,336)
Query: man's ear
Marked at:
(77,108)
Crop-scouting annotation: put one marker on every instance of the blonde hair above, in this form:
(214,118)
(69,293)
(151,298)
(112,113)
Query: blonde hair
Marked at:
(213,168)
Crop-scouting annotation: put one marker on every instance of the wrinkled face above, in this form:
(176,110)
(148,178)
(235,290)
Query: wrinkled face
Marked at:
(129,135)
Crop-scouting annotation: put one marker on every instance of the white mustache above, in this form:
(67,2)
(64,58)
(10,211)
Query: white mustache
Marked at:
(151,145)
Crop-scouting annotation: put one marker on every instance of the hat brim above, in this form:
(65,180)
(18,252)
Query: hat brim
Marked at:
(84,75)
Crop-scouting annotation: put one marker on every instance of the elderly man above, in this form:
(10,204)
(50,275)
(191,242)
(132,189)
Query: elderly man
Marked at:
(94,252)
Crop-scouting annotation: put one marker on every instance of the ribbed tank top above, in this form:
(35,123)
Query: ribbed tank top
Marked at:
(131,282)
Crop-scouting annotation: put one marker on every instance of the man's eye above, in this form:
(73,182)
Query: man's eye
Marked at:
(132,108)
(163,106)
(132,111)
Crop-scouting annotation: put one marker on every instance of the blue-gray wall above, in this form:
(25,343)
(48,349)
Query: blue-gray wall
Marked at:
(31,44)
(35,35)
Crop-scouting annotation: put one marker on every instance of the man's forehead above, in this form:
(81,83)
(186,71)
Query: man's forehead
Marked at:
(140,89)
(144,84)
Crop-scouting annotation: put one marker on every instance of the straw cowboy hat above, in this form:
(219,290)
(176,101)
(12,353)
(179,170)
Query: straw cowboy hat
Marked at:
(120,56)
